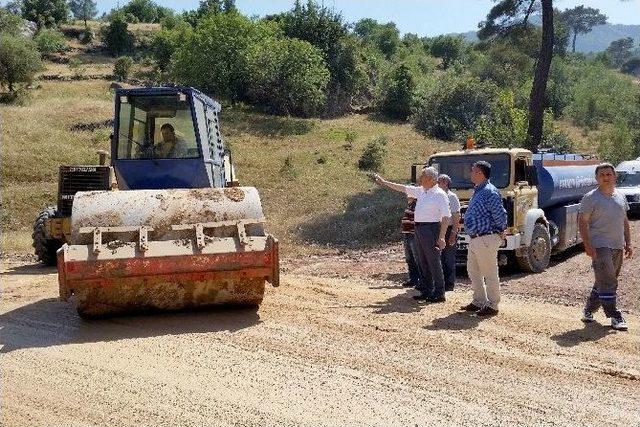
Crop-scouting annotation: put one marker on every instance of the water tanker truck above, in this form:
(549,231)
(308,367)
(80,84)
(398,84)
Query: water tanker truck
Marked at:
(540,192)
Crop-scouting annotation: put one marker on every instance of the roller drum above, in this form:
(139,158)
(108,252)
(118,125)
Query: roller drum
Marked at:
(160,209)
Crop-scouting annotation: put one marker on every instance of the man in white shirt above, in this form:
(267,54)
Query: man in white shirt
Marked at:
(431,218)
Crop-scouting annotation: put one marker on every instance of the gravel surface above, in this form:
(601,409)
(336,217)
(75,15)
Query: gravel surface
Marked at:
(321,350)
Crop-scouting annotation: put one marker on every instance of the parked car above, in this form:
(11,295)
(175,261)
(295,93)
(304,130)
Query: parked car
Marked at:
(629,184)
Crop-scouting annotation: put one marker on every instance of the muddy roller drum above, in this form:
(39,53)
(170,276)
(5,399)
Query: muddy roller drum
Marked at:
(166,249)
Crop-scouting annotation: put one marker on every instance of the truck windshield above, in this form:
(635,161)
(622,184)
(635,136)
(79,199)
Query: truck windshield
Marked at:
(628,179)
(459,169)
(158,127)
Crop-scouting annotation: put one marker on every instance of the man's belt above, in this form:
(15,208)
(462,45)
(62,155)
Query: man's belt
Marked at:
(473,236)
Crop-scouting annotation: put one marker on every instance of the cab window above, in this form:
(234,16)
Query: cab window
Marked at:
(158,127)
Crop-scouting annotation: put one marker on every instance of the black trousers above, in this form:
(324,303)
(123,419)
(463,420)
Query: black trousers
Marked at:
(429,259)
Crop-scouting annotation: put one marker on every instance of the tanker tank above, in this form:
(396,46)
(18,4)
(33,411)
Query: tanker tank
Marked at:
(563,180)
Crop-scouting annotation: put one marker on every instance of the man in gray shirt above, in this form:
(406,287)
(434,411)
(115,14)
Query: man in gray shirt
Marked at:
(449,252)
(604,228)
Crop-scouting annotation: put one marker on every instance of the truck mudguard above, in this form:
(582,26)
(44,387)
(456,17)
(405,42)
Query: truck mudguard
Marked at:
(533,215)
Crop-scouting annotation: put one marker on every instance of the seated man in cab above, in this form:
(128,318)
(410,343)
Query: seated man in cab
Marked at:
(172,146)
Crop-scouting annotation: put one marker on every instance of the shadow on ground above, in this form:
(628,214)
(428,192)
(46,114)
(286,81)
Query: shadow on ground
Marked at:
(457,321)
(589,332)
(51,322)
(402,303)
(29,269)
(370,219)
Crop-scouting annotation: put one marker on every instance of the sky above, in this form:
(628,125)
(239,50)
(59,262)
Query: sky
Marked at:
(423,17)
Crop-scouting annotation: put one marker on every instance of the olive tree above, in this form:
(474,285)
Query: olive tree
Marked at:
(19,61)
(289,76)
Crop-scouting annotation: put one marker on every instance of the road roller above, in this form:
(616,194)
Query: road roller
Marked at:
(165,225)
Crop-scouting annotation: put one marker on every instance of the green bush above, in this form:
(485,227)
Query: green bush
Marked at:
(558,95)
(50,41)
(87,36)
(397,93)
(558,142)
(19,61)
(288,76)
(453,106)
(372,158)
(619,142)
(166,41)
(602,96)
(10,23)
(116,36)
(325,29)
(449,48)
(122,67)
(142,10)
(45,13)
(214,57)
(504,64)
(504,126)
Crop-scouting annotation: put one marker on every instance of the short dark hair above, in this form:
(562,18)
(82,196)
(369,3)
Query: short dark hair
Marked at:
(485,167)
(605,166)
(167,126)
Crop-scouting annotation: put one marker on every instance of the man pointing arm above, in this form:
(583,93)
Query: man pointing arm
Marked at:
(432,216)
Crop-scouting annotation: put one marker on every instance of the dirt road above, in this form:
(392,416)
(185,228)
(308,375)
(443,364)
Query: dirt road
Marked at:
(320,351)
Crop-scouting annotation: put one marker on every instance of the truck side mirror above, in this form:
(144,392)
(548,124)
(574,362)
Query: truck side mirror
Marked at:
(414,171)
(532,175)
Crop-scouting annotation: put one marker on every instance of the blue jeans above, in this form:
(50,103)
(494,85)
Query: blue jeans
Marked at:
(429,259)
(411,256)
(449,263)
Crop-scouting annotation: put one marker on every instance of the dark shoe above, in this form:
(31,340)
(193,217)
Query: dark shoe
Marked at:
(470,307)
(448,289)
(486,311)
(436,300)
(421,297)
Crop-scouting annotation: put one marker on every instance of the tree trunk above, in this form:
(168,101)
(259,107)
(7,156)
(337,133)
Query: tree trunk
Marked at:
(575,34)
(536,102)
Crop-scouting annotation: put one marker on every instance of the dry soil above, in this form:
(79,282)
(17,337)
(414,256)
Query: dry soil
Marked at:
(339,343)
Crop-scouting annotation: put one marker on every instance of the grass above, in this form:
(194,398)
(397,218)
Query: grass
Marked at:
(327,203)
(37,138)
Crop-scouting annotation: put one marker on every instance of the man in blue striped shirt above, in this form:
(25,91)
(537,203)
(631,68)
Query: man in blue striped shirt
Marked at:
(485,222)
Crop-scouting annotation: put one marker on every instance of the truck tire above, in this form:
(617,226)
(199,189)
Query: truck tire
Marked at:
(45,249)
(535,257)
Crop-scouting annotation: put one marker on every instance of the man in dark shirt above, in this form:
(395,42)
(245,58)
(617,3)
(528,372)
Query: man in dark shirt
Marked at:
(485,222)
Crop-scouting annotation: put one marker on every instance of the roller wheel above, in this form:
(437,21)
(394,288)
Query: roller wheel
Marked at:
(535,258)
(44,248)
